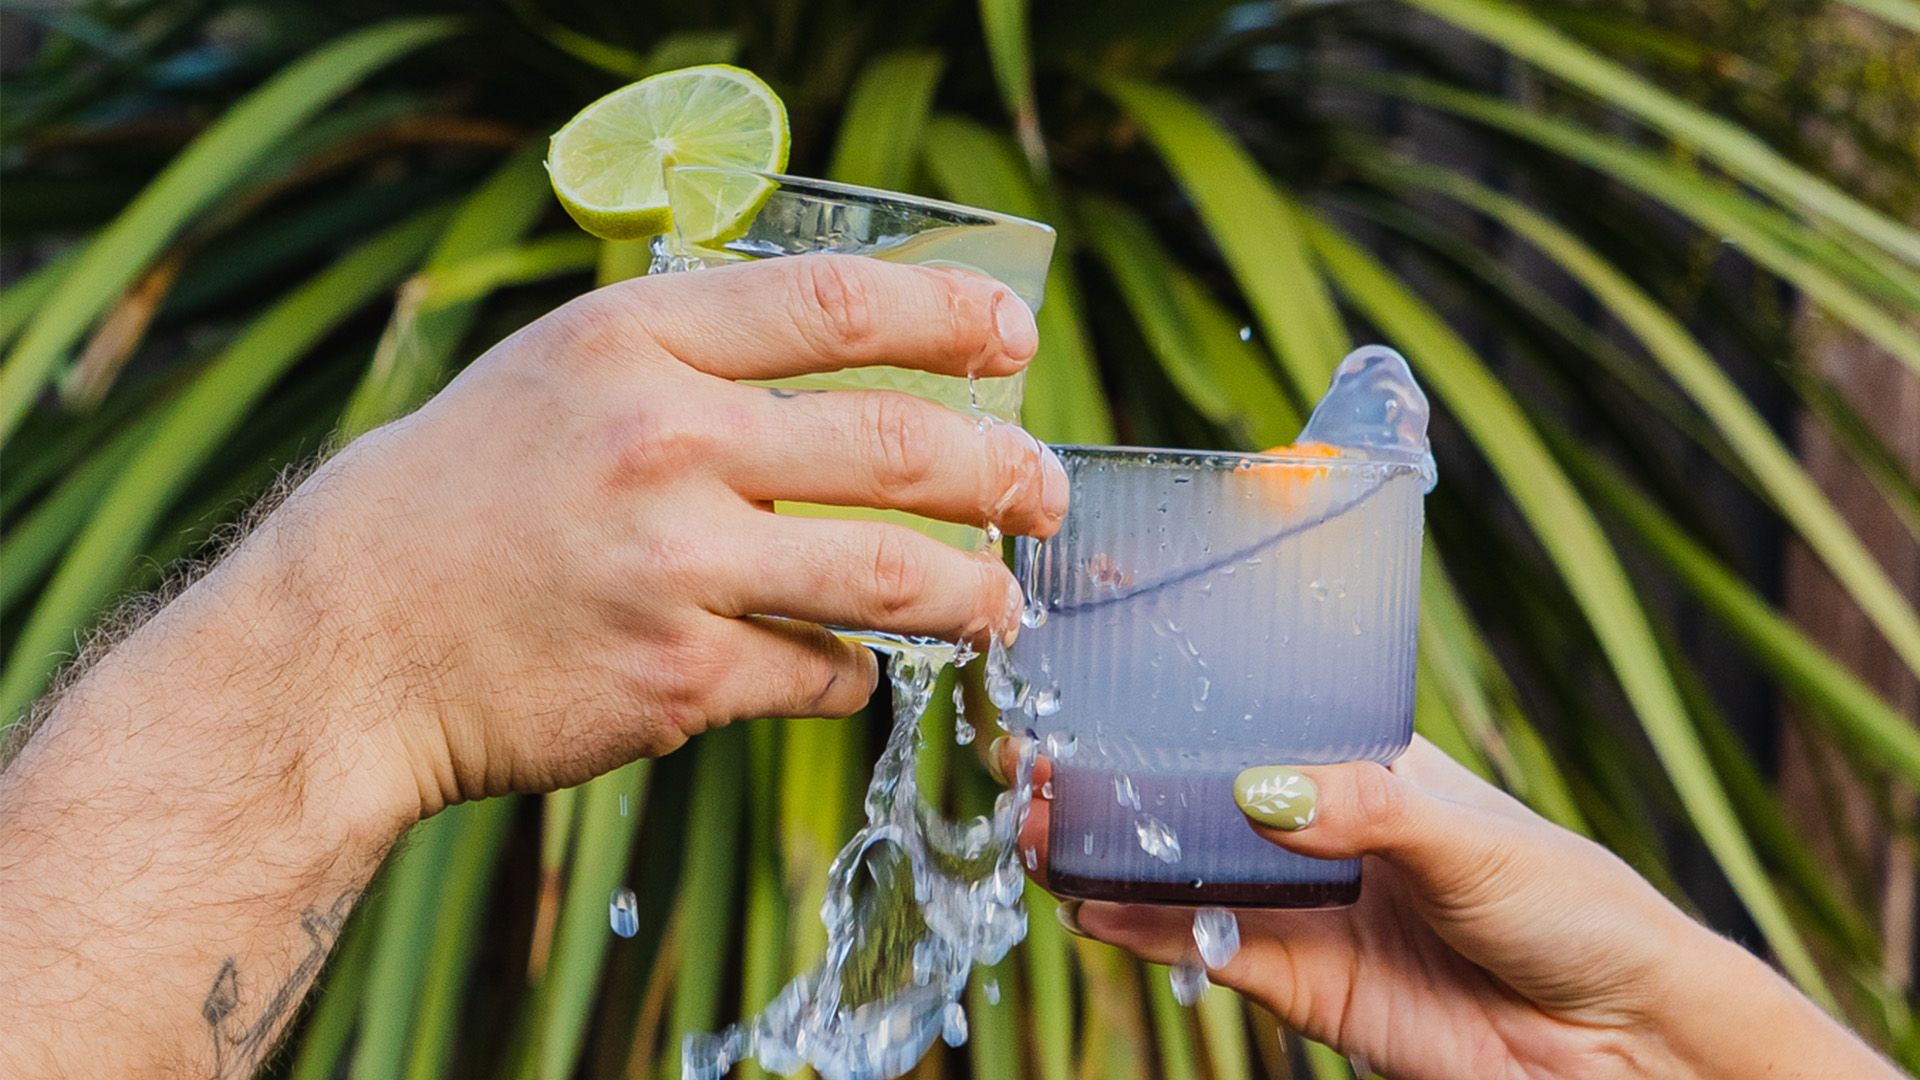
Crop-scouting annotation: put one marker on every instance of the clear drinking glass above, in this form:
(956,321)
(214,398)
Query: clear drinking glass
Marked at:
(800,216)
(1205,613)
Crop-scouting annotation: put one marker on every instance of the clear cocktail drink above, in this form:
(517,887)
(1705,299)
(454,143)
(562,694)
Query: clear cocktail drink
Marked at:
(1209,612)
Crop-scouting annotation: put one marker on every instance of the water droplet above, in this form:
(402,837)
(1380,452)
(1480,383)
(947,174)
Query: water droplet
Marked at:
(1086,844)
(1156,839)
(1201,685)
(1060,747)
(990,536)
(1356,626)
(623,806)
(1046,702)
(1046,790)
(1217,932)
(1033,859)
(1246,333)
(1189,981)
(953,1025)
(982,424)
(1124,792)
(963,732)
(991,989)
(623,911)
(1034,614)
(1318,588)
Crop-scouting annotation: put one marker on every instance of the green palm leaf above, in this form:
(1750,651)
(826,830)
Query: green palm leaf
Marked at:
(188,434)
(1792,492)
(1254,224)
(191,183)
(1734,148)
(1588,564)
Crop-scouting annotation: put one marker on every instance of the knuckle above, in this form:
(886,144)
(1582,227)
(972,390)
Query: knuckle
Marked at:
(686,690)
(1379,803)
(899,573)
(647,446)
(903,439)
(821,684)
(834,302)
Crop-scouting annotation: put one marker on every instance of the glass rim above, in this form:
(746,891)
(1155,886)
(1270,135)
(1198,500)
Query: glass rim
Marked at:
(1171,457)
(872,194)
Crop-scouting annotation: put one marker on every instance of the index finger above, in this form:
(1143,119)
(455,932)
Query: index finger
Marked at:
(809,313)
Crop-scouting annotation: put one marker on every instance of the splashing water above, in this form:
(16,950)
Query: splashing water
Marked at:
(953,1025)
(623,912)
(1216,931)
(1373,409)
(1189,981)
(913,902)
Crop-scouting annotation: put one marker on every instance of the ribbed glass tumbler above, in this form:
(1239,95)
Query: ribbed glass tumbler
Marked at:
(1205,613)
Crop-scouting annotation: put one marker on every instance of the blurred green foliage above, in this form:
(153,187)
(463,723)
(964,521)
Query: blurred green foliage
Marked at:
(1597,232)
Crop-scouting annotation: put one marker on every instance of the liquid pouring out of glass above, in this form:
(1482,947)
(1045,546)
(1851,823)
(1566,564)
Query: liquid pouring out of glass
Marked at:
(913,900)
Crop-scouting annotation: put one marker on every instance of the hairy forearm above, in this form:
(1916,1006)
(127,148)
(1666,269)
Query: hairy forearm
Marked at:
(179,846)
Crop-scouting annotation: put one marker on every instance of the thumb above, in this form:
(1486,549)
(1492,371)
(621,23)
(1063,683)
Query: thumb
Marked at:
(1362,808)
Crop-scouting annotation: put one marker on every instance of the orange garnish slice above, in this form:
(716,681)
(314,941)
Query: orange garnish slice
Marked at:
(1290,486)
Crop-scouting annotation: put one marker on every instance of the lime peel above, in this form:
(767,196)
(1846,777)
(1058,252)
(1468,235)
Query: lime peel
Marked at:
(608,164)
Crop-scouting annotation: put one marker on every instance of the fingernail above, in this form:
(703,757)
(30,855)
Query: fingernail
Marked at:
(1018,334)
(1069,915)
(1276,796)
(995,752)
(1053,484)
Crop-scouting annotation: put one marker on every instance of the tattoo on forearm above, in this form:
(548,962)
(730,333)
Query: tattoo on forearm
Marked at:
(238,1049)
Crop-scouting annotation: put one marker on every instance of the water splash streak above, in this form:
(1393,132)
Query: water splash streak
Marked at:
(913,902)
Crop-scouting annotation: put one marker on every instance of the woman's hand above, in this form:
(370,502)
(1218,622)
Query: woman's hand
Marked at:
(1487,942)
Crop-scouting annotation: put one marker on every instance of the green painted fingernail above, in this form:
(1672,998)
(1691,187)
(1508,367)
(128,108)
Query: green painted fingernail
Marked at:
(1069,915)
(1276,796)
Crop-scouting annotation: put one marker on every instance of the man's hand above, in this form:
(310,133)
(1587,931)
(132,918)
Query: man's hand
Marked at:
(566,560)
(555,566)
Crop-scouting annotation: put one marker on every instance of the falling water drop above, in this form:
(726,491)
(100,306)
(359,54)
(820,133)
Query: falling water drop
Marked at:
(953,1025)
(1046,790)
(1217,932)
(1246,333)
(991,988)
(623,911)
(963,732)
(1189,981)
